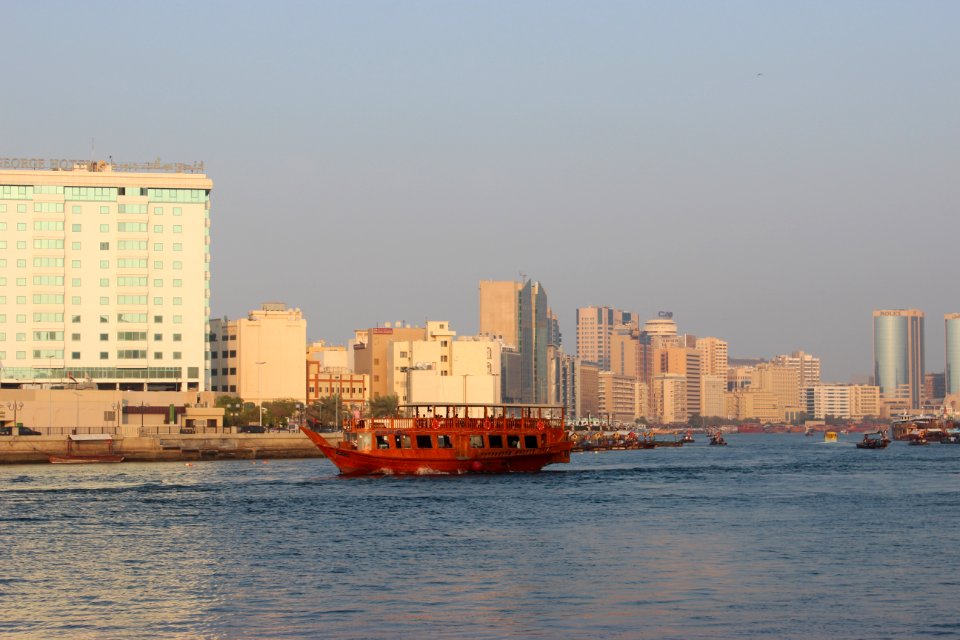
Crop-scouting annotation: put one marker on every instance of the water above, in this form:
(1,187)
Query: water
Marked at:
(773,536)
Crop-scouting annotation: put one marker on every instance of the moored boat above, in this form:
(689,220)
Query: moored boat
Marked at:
(429,439)
(88,448)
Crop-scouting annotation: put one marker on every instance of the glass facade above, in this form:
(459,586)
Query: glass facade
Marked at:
(952,370)
(898,347)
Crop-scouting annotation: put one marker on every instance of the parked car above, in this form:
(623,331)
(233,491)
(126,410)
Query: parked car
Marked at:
(251,428)
(23,431)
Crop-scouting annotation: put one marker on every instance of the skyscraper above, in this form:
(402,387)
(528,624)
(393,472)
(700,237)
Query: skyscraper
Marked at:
(951,323)
(518,312)
(898,357)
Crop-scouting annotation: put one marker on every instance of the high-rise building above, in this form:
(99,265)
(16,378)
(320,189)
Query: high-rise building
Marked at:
(105,274)
(518,313)
(499,308)
(260,357)
(595,327)
(806,366)
(714,359)
(951,322)
(898,355)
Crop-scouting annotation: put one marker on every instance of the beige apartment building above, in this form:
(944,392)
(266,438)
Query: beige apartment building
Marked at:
(783,382)
(499,310)
(595,328)
(104,274)
(371,351)
(713,389)
(685,361)
(323,382)
(617,396)
(443,368)
(588,391)
(806,366)
(260,357)
(329,356)
(714,359)
(670,398)
(761,406)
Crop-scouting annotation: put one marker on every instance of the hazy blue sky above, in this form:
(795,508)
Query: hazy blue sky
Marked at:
(769,171)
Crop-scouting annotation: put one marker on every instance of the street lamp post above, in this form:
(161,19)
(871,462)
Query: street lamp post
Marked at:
(15,407)
(260,391)
(50,394)
(77,427)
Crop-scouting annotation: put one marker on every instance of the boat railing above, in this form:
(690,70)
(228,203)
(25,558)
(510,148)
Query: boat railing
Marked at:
(458,424)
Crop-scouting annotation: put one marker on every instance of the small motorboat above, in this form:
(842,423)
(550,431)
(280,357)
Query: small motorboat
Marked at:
(716,440)
(687,438)
(878,440)
(830,436)
(918,438)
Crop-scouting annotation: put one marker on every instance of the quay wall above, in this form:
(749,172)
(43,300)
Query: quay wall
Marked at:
(171,448)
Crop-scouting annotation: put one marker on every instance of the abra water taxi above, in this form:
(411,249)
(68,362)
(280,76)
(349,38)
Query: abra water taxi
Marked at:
(429,439)
(88,448)
(878,440)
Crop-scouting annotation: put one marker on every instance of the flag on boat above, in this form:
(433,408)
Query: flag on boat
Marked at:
(70,375)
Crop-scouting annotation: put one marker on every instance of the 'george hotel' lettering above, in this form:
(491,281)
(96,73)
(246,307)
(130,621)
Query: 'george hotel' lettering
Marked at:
(64,164)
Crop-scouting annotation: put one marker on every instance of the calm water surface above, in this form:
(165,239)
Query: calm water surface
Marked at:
(771,537)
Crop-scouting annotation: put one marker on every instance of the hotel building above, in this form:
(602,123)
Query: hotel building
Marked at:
(104,274)
(898,356)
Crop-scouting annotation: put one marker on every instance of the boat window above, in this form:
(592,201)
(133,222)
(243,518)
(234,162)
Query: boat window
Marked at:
(382,442)
(476,442)
(364,441)
(530,442)
(444,442)
(402,441)
(496,442)
(423,442)
(513,442)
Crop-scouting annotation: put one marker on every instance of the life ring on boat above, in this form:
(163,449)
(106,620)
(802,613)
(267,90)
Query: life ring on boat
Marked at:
(435,423)
(540,425)
(487,425)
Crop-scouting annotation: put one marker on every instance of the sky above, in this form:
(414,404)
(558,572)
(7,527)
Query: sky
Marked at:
(770,172)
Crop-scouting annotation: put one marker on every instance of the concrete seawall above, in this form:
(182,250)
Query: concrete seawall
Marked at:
(171,448)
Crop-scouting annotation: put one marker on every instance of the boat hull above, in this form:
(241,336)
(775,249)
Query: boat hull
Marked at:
(85,459)
(352,462)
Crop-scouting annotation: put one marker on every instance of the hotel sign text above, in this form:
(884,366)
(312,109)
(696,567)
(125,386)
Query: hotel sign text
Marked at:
(64,164)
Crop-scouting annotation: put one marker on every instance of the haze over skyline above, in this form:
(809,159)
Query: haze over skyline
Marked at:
(771,173)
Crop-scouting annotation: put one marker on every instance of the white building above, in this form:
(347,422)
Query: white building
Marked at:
(261,357)
(444,368)
(104,274)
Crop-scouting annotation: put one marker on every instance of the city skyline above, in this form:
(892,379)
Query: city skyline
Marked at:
(771,174)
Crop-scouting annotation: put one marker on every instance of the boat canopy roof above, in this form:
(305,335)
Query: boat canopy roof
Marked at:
(88,437)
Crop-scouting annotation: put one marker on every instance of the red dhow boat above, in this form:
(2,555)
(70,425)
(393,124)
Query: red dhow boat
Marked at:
(451,439)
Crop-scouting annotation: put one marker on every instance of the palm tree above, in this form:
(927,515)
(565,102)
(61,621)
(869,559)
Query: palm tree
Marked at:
(384,406)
